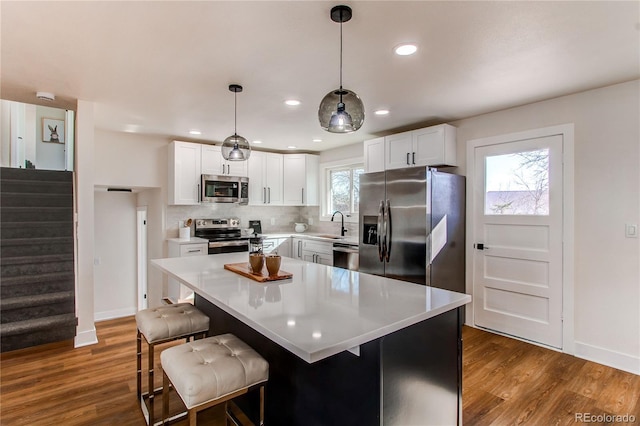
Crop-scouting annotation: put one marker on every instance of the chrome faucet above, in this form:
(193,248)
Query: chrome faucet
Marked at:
(342,230)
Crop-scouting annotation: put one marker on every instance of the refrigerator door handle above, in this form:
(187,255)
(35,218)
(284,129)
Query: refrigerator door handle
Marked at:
(387,230)
(379,230)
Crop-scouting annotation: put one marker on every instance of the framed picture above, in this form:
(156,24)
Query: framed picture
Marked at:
(52,130)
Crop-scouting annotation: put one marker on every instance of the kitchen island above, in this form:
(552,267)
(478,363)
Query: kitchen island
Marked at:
(343,347)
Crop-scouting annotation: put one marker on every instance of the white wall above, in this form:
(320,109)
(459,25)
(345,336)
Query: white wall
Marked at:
(86,331)
(607,188)
(130,160)
(138,162)
(115,271)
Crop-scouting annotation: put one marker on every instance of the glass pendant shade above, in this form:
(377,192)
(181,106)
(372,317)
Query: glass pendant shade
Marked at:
(341,111)
(236,148)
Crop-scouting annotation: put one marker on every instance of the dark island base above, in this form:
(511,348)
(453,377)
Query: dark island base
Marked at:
(412,376)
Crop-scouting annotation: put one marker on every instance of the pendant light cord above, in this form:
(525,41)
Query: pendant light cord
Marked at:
(341,19)
(235,113)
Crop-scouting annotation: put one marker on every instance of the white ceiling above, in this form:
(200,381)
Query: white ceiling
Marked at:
(164,68)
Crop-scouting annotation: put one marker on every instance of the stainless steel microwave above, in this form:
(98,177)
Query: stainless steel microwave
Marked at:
(225,189)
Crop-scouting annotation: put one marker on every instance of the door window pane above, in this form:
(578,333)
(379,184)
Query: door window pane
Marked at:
(517,184)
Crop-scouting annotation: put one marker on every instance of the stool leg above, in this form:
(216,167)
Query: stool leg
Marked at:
(165,396)
(261,406)
(139,364)
(151,387)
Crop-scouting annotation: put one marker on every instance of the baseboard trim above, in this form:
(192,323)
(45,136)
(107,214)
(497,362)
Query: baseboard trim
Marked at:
(117,313)
(608,357)
(85,338)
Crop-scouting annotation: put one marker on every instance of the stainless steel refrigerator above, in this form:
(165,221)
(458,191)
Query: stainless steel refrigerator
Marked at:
(412,224)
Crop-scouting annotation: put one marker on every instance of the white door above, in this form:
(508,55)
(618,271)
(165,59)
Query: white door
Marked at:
(517,261)
(143,301)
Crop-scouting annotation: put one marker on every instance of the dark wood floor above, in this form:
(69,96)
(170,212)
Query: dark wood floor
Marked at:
(506,382)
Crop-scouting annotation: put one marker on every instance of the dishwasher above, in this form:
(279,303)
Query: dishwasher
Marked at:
(346,255)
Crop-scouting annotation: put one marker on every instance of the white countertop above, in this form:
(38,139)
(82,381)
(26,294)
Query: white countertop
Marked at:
(319,312)
(313,236)
(191,240)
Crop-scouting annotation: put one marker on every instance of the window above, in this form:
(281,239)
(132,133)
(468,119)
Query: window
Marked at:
(518,184)
(342,183)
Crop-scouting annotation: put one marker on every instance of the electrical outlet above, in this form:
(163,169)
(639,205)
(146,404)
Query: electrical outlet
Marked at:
(273,220)
(96,261)
(631,230)
(310,221)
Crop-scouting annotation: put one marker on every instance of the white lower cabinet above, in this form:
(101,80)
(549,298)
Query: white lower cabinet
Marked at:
(280,246)
(296,248)
(183,248)
(317,252)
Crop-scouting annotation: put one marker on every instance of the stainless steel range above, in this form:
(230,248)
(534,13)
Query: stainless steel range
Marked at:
(224,235)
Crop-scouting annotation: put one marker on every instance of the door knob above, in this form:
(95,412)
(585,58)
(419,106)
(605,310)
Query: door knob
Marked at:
(480,246)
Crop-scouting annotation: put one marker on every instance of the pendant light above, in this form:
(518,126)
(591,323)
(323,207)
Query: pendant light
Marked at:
(341,110)
(235,147)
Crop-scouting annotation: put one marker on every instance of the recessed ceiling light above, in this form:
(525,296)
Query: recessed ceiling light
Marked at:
(317,140)
(257,142)
(292,147)
(381,112)
(316,335)
(405,49)
(195,132)
(292,102)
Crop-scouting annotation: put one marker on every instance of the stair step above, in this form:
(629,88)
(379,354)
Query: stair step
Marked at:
(16,309)
(54,284)
(12,230)
(35,174)
(41,278)
(13,199)
(13,248)
(21,327)
(6,261)
(30,214)
(37,300)
(35,186)
(36,265)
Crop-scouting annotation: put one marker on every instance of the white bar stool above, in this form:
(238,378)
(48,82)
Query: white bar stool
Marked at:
(211,371)
(161,325)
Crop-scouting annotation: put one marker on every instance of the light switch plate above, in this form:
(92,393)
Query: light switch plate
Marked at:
(631,230)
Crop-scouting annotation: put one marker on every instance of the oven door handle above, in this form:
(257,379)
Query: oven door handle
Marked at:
(215,244)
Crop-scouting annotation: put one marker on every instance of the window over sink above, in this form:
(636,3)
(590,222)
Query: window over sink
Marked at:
(341,188)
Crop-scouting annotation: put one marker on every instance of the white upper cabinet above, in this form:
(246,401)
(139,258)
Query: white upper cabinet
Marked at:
(184,173)
(214,164)
(398,150)
(301,179)
(374,155)
(265,179)
(435,146)
(431,146)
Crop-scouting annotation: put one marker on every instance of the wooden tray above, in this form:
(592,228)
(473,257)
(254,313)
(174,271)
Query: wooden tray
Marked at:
(244,270)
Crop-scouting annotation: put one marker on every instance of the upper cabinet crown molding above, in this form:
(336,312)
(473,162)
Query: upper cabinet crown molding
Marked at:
(430,146)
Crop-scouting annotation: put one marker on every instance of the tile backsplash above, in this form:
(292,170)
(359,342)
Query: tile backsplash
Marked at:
(274,219)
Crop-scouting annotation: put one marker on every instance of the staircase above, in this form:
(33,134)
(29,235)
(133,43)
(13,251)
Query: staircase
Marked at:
(37,282)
